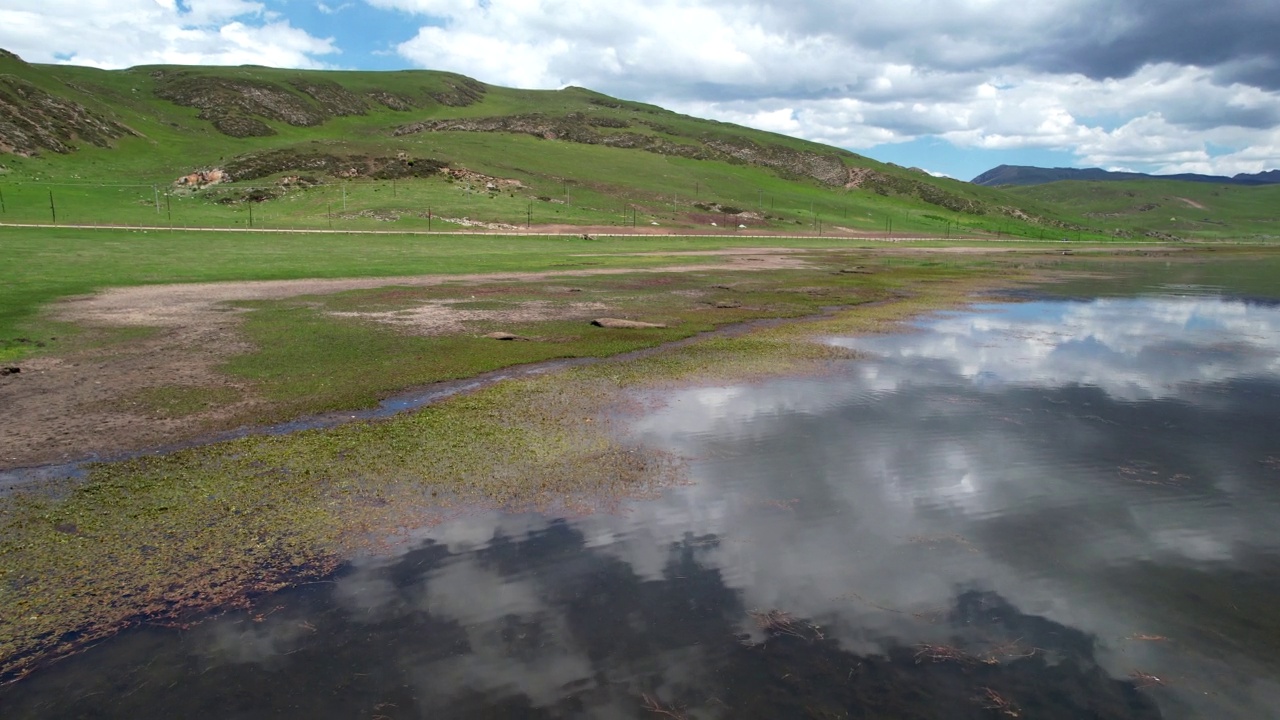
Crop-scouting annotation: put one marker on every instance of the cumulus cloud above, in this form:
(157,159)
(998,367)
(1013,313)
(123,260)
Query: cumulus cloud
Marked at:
(1169,87)
(123,33)
(1116,83)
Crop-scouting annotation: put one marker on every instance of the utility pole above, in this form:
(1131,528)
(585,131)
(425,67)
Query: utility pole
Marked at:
(52,210)
(168,207)
(329,213)
(344,198)
(156,190)
(250,213)
(2,210)
(428,219)
(529,219)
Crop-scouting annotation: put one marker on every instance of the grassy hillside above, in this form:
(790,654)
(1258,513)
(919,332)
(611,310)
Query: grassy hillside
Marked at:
(1164,208)
(416,149)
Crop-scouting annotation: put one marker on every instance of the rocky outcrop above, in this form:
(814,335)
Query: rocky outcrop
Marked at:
(460,92)
(335,99)
(829,169)
(618,324)
(239,107)
(391,100)
(242,106)
(33,121)
(201,179)
(271,162)
(826,169)
(236,106)
(488,182)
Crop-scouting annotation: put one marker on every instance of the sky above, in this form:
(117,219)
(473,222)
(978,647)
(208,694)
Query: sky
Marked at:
(954,87)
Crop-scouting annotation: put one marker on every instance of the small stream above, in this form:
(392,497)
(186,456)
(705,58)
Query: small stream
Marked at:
(1058,508)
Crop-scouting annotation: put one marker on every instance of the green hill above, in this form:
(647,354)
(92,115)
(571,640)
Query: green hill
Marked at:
(408,150)
(1166,208)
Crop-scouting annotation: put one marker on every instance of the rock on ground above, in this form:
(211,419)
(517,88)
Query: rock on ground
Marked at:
(617,324)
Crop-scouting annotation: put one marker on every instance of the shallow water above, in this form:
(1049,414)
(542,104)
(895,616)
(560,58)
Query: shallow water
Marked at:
(1049,504)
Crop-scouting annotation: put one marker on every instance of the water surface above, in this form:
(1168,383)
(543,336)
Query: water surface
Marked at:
(1061,508)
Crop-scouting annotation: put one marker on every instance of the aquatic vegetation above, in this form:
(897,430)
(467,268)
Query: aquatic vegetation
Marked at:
(163,537)
(780,622)
(992,700)
(650,703)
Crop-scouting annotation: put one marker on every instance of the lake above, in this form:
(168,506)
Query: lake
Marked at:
(1058,508)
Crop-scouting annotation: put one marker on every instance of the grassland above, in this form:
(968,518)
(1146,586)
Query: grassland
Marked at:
(159,539)
(44,265)
(1163,208)
(608,162)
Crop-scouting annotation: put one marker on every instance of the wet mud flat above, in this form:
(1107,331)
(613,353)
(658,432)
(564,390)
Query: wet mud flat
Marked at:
(600,638)
(214,525)
(760,466)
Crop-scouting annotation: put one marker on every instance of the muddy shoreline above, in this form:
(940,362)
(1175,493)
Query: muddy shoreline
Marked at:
(278,505)
(29,478)
(82,404)
(565,480)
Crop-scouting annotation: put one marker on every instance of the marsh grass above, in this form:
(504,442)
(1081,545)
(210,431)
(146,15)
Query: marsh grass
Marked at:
(42,266)
(159,537)
(307,360)
(176,401)
(165,538)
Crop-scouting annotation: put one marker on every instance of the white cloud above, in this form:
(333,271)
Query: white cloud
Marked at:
(1111,81)
(123,33)
(978,74)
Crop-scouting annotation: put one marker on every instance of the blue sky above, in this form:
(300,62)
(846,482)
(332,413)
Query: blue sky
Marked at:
(950,86)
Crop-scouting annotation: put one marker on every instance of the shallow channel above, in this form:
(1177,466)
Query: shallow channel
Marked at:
(1048,509)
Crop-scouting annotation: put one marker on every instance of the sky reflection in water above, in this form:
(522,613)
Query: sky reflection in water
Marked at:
(1068,477)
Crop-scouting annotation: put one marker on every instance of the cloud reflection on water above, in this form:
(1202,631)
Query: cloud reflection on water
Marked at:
(1133,348)
(1100,466)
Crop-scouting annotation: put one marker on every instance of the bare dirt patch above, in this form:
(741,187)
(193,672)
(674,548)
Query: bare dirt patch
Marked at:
(80,404)
(1192,203)
(439,317)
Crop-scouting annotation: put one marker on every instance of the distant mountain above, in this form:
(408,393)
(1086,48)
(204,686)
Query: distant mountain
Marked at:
(1028,175)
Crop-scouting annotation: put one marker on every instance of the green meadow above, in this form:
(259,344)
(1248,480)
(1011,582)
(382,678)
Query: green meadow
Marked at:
(1170,208)
(604,162)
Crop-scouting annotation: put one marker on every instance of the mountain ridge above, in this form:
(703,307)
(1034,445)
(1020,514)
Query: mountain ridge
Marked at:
(1023,175)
